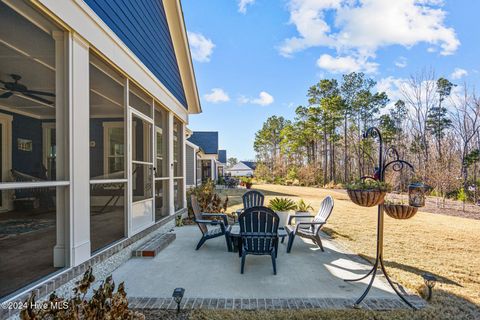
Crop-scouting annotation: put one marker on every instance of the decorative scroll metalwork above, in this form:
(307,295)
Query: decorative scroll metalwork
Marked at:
(389,159)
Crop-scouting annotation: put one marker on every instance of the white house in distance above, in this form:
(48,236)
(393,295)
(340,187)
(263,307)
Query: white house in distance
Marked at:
(242,169)
(94,100)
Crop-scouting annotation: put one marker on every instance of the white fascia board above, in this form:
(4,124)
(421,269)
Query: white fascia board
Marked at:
(194,146)
(80,19)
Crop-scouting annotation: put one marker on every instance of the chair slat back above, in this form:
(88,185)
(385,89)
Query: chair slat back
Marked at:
(324,212)
(198,213)
(258,229)
(253,198)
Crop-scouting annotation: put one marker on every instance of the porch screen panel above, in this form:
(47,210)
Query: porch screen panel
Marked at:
(161,162)
(108,182)
(178,163)
(32,130)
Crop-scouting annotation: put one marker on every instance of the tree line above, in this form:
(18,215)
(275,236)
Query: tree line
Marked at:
(435,125)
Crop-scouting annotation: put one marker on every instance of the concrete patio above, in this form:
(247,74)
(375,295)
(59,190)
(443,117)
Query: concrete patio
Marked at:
(306,277)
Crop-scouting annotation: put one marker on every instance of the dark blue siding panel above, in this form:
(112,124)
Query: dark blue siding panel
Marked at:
(142,26)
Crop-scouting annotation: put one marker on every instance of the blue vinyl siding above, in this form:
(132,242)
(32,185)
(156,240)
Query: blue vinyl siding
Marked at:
(142,26)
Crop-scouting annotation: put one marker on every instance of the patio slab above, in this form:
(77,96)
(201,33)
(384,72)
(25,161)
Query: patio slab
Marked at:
(306,277)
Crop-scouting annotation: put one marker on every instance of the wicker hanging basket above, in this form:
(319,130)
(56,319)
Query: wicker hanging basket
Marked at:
(400,211)
(366,198)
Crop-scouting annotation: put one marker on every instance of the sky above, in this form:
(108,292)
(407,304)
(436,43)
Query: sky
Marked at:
(257,58)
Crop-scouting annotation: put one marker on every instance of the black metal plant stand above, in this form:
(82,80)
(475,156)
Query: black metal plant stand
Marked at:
(391,155)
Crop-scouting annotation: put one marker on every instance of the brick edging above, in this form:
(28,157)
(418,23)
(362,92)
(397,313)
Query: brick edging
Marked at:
(382,304)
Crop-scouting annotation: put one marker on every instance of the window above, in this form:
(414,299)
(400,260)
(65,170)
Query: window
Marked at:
(108,183)
(114,151)
(32,138)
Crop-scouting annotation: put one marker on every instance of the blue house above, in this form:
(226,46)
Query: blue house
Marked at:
(208,158)
(94,100)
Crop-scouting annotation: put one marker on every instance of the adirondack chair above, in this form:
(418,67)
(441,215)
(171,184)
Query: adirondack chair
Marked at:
(221,226)
(250,199)
(309,229)
(259,234)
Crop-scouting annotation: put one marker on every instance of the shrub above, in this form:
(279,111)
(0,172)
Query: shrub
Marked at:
(282,204)
(365,185)
(104,303)
(303,207)
(208,199)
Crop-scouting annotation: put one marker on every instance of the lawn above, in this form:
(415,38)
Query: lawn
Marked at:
(445,246)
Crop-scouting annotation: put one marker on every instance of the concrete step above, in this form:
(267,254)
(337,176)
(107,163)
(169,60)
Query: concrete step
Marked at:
(153,246)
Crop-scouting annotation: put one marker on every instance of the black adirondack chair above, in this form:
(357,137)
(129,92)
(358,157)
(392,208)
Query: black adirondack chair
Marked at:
(221,227)
(309,229)
(250,199)
(259,234)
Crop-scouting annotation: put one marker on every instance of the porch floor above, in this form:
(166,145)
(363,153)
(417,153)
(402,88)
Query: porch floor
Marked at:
(214,273)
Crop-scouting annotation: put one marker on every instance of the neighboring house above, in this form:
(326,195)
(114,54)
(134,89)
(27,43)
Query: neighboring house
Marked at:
(93,157)
(242,169)
(207,158)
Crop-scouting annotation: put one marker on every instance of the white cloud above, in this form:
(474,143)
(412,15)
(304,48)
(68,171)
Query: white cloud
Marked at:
(201,47)
(458,73)
(345,64)
(264,99)
(243,4)
(217,95)
(393,87)
(401,62)
(359,28)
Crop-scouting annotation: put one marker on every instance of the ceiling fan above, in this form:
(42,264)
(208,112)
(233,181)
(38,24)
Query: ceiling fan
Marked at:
(15,87)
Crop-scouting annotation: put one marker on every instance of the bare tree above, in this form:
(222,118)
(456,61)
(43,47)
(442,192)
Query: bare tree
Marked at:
(466,123)
(420,95)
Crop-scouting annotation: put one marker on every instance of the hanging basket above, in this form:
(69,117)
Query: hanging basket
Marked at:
(366,198)
(400,211)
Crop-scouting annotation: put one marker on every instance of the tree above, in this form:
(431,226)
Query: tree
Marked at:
(420,95)
(437,118)
(466,124)
(232,161)
(267,139)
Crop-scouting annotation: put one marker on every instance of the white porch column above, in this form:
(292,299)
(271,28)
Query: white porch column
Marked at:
(61,111)
(212,169)
(80,151)
(171,197)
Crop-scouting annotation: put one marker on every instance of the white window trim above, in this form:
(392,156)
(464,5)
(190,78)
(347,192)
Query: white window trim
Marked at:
(106,143)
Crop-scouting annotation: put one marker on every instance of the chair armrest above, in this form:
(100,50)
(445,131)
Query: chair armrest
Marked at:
(312,223)
(291,216)
(210,222)
(217,215)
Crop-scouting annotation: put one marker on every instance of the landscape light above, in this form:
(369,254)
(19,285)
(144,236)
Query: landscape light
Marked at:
(178,296)
(430,281)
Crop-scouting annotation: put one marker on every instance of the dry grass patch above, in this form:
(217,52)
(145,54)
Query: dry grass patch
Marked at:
(445,246)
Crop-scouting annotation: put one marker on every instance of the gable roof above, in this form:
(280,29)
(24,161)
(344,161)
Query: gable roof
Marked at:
(251,164)
(206,140)
(222,156)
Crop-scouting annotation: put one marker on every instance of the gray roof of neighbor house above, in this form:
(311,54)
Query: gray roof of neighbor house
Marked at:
(222,156)
(252,165)
(207,140)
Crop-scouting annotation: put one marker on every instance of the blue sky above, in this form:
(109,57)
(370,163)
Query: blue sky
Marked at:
(257,58)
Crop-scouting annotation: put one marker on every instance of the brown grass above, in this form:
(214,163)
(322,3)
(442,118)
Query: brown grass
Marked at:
(445,246)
